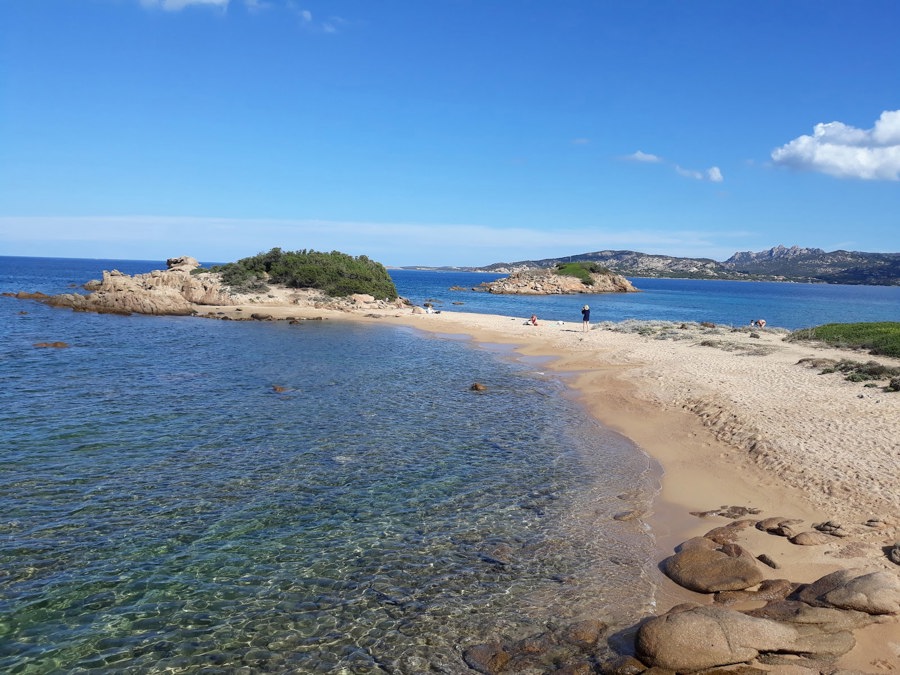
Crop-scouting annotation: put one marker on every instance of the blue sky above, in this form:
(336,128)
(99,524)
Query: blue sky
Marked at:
(447,132)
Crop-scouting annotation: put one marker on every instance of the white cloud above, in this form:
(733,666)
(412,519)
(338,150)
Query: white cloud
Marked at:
(643,157)
(176,5)
(843,151)
(713,174)
(688,173)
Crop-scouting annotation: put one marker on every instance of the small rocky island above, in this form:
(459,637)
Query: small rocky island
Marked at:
(562,280)
(303,279)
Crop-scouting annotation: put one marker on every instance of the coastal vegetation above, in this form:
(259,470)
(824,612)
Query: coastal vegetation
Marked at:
(581,270)
(854,371)
(336,274)
(877,338)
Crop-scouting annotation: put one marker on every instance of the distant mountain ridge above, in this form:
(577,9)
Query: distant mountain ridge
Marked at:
(779,263)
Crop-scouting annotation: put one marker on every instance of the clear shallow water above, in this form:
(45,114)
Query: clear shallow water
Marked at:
(163,508)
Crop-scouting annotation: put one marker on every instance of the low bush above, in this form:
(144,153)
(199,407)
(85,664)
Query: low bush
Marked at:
(862,372)
(336,274)
(855,371)
(581,270)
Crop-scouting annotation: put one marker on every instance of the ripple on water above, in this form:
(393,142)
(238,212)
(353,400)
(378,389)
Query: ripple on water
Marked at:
(164,508)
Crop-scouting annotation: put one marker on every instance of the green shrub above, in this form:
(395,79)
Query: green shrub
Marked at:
(336,274)
(877,338)
(854,371)
(862,372)
(581,270)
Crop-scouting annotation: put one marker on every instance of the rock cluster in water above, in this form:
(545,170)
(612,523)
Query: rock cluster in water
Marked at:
(547,282)
(172,291)
(181,289)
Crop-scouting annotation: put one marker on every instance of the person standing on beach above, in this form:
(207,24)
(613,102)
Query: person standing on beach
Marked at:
(585,318)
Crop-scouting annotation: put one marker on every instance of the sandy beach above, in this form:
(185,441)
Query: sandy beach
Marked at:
(734,420)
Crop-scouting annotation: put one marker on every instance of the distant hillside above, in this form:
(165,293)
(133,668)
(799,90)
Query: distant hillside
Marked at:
(814,264)
(776,264)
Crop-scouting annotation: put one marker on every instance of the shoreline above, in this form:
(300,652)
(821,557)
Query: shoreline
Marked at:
(721,424)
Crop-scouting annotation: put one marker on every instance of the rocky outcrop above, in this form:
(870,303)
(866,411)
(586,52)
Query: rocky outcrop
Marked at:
(873,593)
(776,253)
(182,289)
(547,282)
(172,291)
(693,637)
(807,620)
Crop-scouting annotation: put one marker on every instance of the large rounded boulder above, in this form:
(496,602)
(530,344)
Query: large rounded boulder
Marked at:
(705,566)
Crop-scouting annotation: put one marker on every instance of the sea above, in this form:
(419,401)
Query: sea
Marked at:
(183,495)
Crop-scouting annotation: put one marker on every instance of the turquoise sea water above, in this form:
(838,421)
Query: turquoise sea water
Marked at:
(164,509)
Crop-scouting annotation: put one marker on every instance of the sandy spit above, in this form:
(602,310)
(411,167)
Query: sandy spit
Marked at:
(734,420)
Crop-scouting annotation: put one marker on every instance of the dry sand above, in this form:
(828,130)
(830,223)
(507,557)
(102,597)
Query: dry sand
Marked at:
(733,420)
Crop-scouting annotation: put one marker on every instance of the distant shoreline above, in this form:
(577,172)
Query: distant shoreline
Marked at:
(776,280)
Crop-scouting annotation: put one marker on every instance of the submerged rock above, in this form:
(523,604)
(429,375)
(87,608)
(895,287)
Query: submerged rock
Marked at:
(487,658)
(567,649)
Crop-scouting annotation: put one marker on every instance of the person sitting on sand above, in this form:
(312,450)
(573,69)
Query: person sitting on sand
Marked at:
(533,320)
(758,323)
